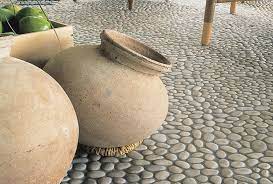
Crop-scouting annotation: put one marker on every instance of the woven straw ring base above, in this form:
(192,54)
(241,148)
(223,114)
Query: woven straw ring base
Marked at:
(114,151)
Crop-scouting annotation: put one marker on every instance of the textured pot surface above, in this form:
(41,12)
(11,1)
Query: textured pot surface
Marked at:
(5,46)
(38,125)
(117,102)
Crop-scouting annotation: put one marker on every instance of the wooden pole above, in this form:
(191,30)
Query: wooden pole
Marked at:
(208,20)
(233,7)
(130,4)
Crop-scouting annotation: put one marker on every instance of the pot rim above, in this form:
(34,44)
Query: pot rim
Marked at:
(151,59)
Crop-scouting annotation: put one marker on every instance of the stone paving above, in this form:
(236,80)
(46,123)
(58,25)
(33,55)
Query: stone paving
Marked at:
(219,128)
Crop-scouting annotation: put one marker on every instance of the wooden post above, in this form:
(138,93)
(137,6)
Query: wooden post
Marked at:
(208,20)
(130,4)
(233,7)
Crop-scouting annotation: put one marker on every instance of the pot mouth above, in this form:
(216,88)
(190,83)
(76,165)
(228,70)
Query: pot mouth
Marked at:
(143,54)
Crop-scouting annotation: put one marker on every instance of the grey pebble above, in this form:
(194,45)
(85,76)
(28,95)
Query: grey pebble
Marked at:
(197,134)
(153,157)
(265,181)
(202,178)
(122,166)
(189,181)
(191,148)
(105,180)
(75,181)
(195,160)
(140,162)
(245,179)
(258,146)
(76,175)
(107,166)
(154,168)
(159,137)
(216,179)
(226,172)
(135,169)
(230,181)
(90,181)
(94,165)
(197,166)
(163,162)
(264,166)
(80,160)
(237,157)
(96,174)
(174,169)
(116,174)
(79,167)
(135,155)
(132,177)
(161,151)
(162,175)
(176,177)
(211,164)
(146,181)
(187,121)
(184,155)
(209,172)
(119,180)
(146,174)
(171,156)
(243,171)
(182,164)
(224,163)
(192,172)
(177,148)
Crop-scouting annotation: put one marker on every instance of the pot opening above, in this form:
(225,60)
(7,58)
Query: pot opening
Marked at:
(135,47)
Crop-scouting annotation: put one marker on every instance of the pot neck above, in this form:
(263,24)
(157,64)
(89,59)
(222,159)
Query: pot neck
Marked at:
(5,46)
(133,54)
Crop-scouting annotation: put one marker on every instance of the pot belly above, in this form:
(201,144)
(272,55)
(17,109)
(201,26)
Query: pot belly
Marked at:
(122,110)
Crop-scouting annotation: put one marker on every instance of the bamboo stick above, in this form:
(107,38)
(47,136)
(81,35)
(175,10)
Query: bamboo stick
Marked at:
(233,7)
(208,20)
(130,4)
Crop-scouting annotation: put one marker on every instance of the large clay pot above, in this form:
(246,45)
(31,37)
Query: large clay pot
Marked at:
(115,89)
(38,125)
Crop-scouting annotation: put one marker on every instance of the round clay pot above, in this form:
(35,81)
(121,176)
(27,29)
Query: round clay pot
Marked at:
(38,125)
(115,89)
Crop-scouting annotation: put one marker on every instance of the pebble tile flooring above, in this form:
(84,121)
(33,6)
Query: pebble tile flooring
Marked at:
(219,128)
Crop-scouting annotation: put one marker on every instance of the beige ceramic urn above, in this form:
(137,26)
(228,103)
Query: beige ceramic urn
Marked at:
(115,89)
(38,125)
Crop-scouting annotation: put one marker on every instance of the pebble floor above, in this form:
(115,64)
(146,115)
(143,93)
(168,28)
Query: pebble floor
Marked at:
(219,128)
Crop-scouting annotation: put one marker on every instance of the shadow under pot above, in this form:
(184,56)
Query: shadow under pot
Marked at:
(115,89)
